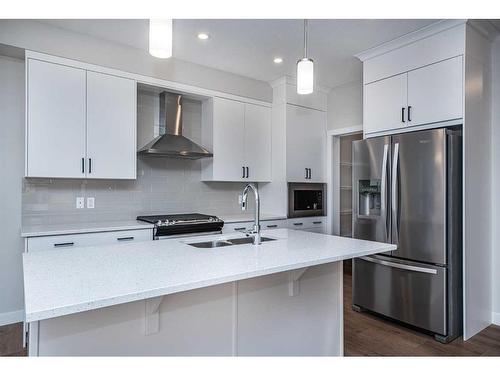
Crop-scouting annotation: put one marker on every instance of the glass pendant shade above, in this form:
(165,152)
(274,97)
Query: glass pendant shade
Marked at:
(160,38)
(305,76)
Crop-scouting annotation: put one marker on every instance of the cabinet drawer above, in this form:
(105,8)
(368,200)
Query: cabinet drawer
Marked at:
(71,241)
(264,225)
(273,224)
(230,228)
(313,224)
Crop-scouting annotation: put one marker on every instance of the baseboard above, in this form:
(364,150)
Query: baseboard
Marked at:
(495,318)
(11,317)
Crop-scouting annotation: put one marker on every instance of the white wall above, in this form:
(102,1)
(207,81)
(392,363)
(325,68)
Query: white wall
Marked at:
(11,170)
(40,37)
(345,106)
(496,180)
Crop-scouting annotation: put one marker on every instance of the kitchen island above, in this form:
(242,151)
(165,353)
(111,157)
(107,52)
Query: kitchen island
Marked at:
(283,297)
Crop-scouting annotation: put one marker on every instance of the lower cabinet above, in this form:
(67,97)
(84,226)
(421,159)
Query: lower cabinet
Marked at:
(315,224)
(71,241)
(241,226)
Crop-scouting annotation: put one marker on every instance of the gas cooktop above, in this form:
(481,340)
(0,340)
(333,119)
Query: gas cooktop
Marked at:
(183,224)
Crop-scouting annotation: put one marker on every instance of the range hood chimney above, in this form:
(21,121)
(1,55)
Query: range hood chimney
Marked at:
(172,143)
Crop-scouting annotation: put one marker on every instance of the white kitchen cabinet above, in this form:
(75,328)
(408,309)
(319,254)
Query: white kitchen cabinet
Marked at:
(315,224)
(80,123)
(231,228)
(305,144)
(427,95)
(111,123)
(435,92)
(239,135)
(55,136)
(71,241)
(258,142)
(385,103)
(228,134)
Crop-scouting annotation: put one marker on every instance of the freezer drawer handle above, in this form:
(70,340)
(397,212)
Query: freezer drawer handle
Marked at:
(400,266)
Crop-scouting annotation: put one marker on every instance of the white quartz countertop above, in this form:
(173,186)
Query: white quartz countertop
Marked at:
(75,228)
(109,226)
(61,282)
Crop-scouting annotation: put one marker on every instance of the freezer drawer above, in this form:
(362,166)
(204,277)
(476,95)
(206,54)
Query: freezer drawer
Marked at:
(411,292)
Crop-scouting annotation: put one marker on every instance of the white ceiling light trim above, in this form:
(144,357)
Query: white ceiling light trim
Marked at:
(305,70)
(160,38)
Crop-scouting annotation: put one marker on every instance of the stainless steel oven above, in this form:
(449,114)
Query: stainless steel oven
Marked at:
(306,199)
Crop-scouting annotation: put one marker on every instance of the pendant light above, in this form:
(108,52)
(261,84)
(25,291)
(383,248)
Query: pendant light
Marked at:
(160,38)
(305,70)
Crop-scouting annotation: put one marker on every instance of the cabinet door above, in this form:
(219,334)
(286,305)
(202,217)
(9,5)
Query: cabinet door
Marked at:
(228,139)
(384,102)
(111,126)
(258,142)
(55,120)
(305,144)
(435,92)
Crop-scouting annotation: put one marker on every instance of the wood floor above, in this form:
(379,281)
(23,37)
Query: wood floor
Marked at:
(368,335)
(11,340)
(364,335)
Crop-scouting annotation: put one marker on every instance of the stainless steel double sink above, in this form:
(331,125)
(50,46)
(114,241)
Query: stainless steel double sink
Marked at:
(227,242)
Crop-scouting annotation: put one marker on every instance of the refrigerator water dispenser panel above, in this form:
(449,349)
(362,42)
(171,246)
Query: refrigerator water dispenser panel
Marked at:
(369,200)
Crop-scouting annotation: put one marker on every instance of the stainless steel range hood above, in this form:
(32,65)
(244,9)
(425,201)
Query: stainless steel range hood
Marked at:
(172,143)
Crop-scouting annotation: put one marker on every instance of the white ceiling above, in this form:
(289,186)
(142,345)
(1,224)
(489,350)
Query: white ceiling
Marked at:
(247,47)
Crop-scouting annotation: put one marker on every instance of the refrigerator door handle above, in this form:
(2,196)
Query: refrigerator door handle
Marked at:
(383,188)
(405,267)
(394,190)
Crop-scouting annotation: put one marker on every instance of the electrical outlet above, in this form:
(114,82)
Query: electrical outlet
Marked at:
(80,202)
(90,202)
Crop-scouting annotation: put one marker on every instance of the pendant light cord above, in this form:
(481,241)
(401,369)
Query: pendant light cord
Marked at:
(305,38)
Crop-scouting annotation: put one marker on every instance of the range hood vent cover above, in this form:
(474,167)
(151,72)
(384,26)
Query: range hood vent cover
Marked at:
(173,144)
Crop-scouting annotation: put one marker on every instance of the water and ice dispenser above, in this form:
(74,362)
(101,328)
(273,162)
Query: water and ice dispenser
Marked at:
(369,197)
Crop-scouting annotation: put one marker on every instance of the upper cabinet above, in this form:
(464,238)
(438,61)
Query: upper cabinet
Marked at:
(239,135)
(431,94)
(305,144)
(80,124)
(111,126)
(435,92)
(385,104)
(55,120)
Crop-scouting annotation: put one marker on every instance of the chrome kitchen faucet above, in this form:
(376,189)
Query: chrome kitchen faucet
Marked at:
(255,232)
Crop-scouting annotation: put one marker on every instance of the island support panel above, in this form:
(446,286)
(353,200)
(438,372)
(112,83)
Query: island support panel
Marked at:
(256,316)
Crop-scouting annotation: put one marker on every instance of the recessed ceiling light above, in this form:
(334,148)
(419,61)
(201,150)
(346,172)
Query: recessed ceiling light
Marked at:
(278,60)
(203,36)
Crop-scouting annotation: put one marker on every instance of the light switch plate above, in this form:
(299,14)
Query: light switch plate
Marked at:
(240,199)
(90,202)
(80,202)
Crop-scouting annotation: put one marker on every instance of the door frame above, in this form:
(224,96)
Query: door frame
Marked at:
(333,175)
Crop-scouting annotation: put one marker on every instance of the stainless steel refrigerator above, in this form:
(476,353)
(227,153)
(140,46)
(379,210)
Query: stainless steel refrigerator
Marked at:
(407,190)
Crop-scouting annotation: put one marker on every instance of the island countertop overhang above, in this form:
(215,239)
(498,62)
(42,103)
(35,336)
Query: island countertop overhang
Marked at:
(62,282)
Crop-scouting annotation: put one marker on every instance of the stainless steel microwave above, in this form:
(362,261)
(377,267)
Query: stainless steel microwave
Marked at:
(306,199)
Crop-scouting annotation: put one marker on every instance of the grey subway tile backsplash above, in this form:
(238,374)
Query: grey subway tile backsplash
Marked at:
(163,186)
